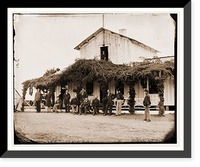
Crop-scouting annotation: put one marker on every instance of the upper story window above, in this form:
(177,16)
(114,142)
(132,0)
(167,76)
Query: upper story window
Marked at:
(104,52)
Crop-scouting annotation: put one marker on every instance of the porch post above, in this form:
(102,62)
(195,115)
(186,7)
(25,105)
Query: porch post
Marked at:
(148,83)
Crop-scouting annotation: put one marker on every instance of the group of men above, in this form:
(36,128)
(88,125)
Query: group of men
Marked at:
(81,104)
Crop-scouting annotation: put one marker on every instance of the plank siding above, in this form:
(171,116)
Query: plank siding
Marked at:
(120,50)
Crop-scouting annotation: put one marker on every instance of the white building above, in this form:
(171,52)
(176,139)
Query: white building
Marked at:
(118,48)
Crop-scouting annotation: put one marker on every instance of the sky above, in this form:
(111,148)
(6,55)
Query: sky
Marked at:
(47,41)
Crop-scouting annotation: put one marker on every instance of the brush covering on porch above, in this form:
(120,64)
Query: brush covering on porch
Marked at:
(102,71)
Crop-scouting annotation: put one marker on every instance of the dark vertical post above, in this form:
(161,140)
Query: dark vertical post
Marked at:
(103,31)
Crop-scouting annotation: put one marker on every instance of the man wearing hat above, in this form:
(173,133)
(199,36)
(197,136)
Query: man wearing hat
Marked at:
(147,104)
(66,99)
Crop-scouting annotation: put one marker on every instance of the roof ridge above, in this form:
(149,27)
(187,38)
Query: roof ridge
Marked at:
(99,30)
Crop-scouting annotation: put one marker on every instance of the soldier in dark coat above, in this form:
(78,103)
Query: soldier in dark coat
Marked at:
(95,105)
(147,104)
(61,101)
(109,104)
(75,103)
(38,99)
(66,99)
(85,105)
(104,102)
(83,94)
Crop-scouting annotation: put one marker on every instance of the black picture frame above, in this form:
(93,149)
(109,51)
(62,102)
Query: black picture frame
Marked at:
(187,153)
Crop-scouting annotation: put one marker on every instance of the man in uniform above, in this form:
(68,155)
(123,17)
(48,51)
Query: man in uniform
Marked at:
(75,103)
(109,104)
(85,104)
(83,95)
(66,99)
(147,104)
(38,98)
(95,105)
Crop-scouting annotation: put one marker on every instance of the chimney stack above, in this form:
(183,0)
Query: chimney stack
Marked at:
(122,31)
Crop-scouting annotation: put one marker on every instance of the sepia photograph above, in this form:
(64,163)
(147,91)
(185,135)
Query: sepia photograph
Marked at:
(95,78)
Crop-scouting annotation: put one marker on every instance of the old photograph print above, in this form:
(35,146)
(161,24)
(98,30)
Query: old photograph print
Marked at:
(94,78)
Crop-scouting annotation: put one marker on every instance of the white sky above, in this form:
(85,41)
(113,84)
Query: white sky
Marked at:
(46,41)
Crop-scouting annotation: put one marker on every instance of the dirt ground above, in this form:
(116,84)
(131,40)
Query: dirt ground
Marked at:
(69,128)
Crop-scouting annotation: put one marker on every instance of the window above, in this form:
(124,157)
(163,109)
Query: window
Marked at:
(153,87)
(89,88)
(104,53)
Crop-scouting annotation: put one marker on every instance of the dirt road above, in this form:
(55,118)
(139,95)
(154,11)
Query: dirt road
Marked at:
(69,128)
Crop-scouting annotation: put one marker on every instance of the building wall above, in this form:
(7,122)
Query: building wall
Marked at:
(169,92)
(120,49)
(57,91)
(96,89)
(92,48)
(139,97)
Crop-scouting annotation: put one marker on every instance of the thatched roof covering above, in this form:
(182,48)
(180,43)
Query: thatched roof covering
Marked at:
(87,70)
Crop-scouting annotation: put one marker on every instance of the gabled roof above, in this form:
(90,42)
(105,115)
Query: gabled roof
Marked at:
(101,29)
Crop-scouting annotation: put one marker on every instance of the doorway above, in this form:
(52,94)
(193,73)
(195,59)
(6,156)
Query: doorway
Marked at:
(119,85)
(103,92)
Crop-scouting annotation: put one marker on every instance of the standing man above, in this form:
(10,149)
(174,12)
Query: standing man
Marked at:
(120,99)
(38,98)
(83,95)
(109,104)
(60,101)
(95,105)
(75,103)
(66,99)
(104,101)
(147,104)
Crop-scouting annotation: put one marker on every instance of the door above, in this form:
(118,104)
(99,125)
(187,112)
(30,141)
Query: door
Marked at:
(103,93)
(119,86)
(104,52)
